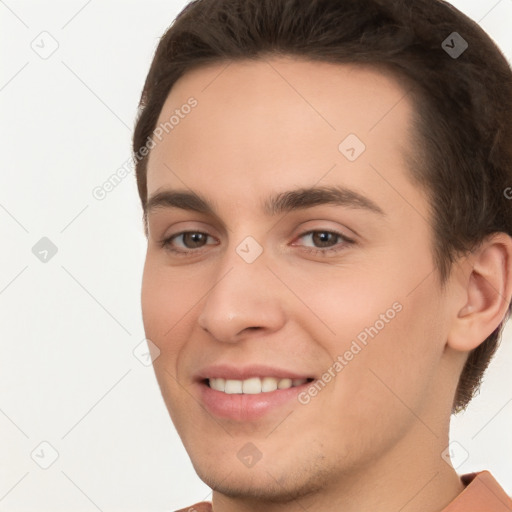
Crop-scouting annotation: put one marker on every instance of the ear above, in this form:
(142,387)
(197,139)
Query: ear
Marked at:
(486,278)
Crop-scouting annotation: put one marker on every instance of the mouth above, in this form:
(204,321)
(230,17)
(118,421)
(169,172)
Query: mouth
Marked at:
(247,393)
(250,399)
(253,385)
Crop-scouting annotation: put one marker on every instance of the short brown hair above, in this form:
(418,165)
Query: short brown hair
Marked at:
(463,103)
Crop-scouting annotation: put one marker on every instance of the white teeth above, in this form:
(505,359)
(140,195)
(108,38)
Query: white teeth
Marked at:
(233,386)
(251,386)
(284,384)
(268,384)
(254,385)
(218,384)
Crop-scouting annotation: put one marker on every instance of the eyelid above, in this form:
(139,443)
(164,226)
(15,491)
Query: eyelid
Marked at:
(194,226)
(321,226)
(165,242)
(167,222)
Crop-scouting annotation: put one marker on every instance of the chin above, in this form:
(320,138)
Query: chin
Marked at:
(277,481)
(260,488)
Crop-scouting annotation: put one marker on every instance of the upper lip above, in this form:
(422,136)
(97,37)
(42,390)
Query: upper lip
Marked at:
(226,371)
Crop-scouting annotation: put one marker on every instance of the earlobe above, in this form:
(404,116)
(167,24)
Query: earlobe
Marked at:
(488,291)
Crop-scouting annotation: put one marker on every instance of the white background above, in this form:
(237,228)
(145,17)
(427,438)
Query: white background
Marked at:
(68,327)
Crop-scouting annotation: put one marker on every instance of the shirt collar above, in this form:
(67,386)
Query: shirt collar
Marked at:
(482,494)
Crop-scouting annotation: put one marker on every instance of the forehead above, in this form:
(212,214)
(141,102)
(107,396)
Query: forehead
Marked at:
(281,121)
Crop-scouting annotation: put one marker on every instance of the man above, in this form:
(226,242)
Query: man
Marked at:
(329,262)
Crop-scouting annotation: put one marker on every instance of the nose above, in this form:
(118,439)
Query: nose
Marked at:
(243,297)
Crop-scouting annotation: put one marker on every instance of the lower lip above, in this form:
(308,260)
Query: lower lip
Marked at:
(243,407)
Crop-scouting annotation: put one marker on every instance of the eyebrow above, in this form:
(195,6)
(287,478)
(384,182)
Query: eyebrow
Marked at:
(291,200)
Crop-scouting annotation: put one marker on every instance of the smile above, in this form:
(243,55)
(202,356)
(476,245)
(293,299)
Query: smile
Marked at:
(254,385)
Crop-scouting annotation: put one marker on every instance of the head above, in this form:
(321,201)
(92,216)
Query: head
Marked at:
(364,97)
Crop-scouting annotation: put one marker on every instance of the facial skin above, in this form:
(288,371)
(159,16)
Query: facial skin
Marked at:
(373,436)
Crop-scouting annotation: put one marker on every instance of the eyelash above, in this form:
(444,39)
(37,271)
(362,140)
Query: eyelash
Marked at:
(166,243)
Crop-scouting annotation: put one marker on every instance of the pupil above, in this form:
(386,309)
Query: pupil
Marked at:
(323,237)
(196,238)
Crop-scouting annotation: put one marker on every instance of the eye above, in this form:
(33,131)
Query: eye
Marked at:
(191,241)
(326,240)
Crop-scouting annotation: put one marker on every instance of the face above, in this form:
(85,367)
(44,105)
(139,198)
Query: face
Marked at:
(266,283)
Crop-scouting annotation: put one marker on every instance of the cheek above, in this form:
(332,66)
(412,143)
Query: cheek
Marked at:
(378,395)
(339,305)
(165,299)
(165,302)
(386,325)
(394,370)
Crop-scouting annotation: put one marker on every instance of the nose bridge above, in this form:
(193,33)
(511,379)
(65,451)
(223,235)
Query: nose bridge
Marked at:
(241,295)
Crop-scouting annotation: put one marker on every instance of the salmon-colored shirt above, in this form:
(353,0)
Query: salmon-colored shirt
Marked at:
(482,494)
